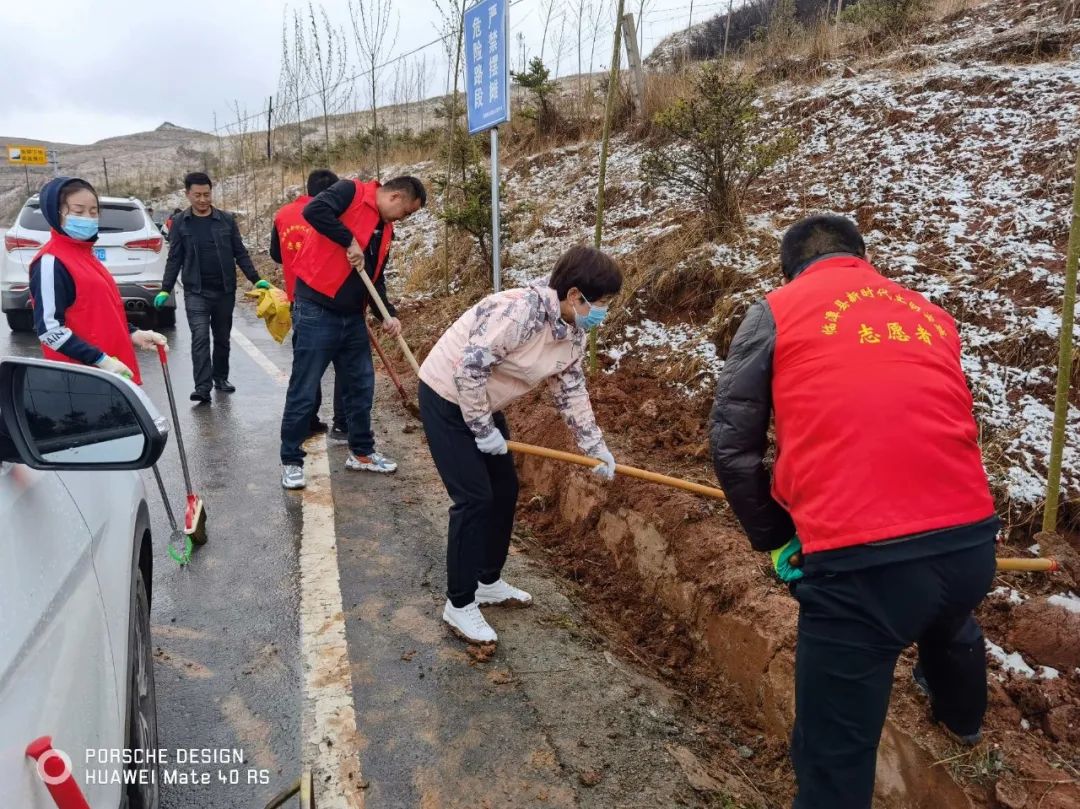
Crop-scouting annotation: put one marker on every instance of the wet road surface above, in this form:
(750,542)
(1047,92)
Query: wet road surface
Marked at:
(247,657)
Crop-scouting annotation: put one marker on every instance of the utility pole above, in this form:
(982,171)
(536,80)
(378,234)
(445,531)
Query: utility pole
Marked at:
(26,171)
(269,129)
(689,25)
(612,92)
(1061,402)
(105,165)
(727,27)
(633,58)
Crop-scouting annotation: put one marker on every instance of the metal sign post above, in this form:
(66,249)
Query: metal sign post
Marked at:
(487,94)
(496,255)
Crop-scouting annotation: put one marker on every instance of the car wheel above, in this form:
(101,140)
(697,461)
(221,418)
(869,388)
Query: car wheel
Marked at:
(165,318)
(142,730)
(20,321)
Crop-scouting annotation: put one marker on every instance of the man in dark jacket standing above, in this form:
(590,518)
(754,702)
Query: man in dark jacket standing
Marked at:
(878,515)
(205,249)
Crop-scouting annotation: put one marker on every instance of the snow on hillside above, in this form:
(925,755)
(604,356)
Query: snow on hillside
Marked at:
(960,176)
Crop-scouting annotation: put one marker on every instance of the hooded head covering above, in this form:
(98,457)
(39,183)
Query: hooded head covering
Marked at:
(49,197)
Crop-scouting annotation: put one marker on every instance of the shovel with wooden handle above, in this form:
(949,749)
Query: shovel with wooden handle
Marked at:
(377,300)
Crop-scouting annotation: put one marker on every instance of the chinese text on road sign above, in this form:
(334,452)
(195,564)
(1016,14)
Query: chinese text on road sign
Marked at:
(487,68)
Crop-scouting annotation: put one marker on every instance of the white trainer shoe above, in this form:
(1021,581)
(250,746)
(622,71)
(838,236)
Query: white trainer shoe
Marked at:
(468,623)
(501,593)
(375,462)
(292,477)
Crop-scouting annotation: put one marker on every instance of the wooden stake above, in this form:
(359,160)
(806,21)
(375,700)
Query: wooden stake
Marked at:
(1061,404)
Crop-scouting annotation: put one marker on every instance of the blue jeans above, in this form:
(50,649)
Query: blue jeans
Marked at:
(324,336)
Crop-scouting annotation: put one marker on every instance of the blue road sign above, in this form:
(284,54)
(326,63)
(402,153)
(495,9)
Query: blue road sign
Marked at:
(487,64)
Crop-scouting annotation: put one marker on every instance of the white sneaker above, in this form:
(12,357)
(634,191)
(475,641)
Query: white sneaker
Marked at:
(501,593)
(375,462)
(468,623)
(292,477)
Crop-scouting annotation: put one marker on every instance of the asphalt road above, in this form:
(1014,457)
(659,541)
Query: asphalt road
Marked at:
(307,632)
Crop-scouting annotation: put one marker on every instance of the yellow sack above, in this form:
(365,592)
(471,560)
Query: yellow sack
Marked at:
(273,307)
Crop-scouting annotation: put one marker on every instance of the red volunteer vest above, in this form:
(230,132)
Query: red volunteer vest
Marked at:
(97,316)
(874,428)
(292,230)
(321,262)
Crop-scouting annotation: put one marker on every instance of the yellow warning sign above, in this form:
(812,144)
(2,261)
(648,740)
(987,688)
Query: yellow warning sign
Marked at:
(27,156)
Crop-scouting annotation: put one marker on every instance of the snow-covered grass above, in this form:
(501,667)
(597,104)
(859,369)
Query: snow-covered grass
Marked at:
(959,174)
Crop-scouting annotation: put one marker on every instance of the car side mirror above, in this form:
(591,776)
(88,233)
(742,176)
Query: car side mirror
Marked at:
(61,416)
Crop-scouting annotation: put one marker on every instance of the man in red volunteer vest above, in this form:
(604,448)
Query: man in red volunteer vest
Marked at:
(78,314)
(286,238)
(354,226)
(878,513)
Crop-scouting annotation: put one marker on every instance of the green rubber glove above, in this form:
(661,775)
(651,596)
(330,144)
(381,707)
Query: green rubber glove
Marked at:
(262,284)
(781,560)
(160,298)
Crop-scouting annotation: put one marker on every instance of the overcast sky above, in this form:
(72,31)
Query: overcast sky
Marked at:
(76,71)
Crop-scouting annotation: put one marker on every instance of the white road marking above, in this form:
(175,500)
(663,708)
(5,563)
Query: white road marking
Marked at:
(331,743)
(261,359)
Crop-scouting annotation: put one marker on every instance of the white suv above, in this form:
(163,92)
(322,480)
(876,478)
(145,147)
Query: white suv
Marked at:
(129,244)
(76,661)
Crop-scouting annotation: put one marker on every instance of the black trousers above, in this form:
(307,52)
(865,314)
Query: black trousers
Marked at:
(484,491)
(852,628)
(206,315)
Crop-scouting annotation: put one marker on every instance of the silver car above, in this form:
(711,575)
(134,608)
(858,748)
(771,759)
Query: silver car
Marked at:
(76,660)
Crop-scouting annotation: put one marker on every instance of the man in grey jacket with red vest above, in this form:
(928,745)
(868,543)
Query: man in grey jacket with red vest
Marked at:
(354,226)
(878,513)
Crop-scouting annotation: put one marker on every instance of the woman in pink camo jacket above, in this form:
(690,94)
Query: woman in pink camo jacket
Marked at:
(495,353)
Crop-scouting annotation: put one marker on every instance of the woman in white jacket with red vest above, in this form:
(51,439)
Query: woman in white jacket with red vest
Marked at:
(495,353)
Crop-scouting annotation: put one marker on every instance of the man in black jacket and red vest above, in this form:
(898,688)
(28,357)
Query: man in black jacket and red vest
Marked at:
(879,515)
(354,226)
(287,236)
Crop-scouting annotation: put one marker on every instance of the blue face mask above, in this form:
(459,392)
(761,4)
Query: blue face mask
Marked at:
(82,228)
(593,319)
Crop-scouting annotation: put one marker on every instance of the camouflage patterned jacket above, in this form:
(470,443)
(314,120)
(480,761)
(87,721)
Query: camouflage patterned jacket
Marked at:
(504,347)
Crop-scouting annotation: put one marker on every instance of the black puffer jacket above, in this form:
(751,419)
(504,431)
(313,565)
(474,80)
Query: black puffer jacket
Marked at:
(739,431)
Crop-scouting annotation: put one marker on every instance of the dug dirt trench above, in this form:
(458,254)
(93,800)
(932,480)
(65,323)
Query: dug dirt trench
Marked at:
(674,578)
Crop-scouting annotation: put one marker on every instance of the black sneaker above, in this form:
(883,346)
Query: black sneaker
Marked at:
(318,427)
(201,396)
(224,385)
(339,436)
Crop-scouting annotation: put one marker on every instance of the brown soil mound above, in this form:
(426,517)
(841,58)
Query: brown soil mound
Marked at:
(1047,633)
